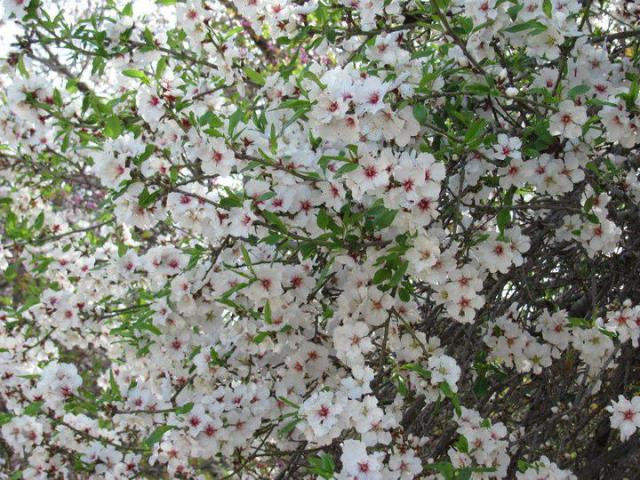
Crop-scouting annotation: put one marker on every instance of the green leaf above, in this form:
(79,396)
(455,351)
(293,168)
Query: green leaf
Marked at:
(184,409)
(127,11)
(441,4)
(33,409)
(21,68)
(522,466)
(288,428)
(445,469)
(381,275)
(399,273)
(133,73)
(293,118)
(634,90)
(235,289)
(57,99)
(267,314)
(273,140)
(462,445)
(385,219)
(274,221)
(593,218)
(481,387)
(146,199)
(467,24)
(234,119)
(113,394)
(322,466)
(588,204)
(246,258)
(294,104)
(446,390)
(404,295)
(11,226)
(535,26)
(503,218)
(547,8)
(478,89)
(161,67)
(210,119)
(346,168)
(157,435)
(148,38)
(254,76)
(289,402)
(578,91)
(419,369)
(322,219)
(475,130)
(401,384)
(148,151)
(5,418)
(260,337)
(464,474)
(113,127)
(38,224)
(420,112)
(578,322)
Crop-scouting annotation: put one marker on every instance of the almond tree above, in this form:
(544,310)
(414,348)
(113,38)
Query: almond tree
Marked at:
(332,239)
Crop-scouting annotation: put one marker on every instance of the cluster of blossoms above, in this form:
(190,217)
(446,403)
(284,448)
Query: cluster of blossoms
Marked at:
(351,240)
(515,347)
(625,415)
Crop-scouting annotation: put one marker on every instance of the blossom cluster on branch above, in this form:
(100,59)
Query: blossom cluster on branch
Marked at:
(339,239)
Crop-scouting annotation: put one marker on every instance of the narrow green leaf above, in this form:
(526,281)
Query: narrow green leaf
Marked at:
(157,435)
(184,409)
(346,168)
(133,73)
(503,218)
(260,337)
(399,273)
(38,224)
(578,91)
(161,67)
(475,130)
(534,25)
(127,11)
(267,314)
(234,119)
(288,428)
(254,76)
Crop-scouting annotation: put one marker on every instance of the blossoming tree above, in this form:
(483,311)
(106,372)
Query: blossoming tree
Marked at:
(349,239)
